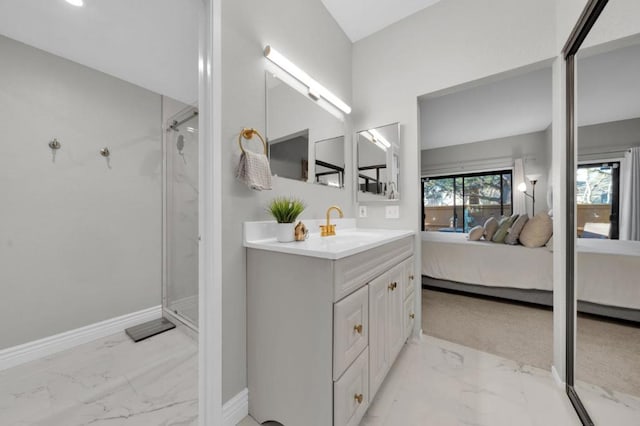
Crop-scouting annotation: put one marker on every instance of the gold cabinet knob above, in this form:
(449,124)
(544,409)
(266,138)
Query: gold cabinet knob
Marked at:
(358,397)
(411,277)
(412,316)
(358,328)
(393,286)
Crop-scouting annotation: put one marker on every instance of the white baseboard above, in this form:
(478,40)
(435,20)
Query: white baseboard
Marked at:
(16,355)
(236,409)
(556,377)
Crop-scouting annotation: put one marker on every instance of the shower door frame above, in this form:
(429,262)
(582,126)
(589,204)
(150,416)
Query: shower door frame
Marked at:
(182,117)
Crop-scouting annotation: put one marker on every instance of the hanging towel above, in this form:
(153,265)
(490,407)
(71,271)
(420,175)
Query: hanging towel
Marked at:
(254,170)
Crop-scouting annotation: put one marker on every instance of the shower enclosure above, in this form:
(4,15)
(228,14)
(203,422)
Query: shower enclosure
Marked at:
(180,219)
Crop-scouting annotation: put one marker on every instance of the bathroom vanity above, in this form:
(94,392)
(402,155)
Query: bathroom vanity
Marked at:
(326,317)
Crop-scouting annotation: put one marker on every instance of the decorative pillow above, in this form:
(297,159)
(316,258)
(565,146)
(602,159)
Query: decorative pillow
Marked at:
(490,228)
(476,233)
(537,231)
(503,229)
(516,228)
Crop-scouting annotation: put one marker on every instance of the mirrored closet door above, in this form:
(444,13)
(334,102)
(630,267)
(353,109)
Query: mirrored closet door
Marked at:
(605,179)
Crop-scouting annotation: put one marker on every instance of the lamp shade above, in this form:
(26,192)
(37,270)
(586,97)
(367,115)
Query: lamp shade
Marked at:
(522,187)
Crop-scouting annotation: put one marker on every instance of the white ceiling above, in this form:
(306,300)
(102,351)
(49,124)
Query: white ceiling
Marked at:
(361,18)
(151,43)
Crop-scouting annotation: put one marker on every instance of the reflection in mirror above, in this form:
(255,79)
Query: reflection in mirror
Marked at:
(607,361)
(299,133)
(378,165)
(330,162)
(289,155)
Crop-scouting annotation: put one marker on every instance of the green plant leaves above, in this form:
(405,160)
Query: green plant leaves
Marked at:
(286,209)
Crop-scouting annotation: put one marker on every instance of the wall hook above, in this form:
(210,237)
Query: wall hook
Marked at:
(54,145)
(106,153)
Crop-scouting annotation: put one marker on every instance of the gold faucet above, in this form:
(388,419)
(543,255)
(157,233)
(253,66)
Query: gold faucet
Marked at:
(329,229)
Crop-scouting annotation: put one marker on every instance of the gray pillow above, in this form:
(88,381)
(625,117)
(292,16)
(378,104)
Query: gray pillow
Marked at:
(516,229)
(503,229)
(537,231)
(490,228)
(476,233)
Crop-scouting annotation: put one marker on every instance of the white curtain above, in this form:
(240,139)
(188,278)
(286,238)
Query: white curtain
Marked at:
(519,199)
(630,195)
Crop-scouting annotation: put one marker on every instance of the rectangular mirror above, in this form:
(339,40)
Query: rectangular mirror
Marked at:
(306,142)
(378,164)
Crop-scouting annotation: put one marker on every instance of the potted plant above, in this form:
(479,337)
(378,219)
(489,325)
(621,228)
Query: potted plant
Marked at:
(285,210)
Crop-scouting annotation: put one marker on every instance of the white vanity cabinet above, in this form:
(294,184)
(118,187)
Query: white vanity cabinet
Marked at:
(323,333)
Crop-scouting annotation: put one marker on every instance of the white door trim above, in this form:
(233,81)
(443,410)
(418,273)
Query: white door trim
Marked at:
(210,216)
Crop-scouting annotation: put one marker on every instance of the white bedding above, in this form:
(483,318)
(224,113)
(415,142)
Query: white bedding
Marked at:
(608,271)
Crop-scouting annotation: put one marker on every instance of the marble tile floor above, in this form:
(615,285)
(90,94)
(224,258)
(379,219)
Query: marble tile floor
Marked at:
(111,381)
(606,406)
(438,383)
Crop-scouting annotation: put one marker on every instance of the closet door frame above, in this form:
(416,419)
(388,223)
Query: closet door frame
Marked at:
(587,19)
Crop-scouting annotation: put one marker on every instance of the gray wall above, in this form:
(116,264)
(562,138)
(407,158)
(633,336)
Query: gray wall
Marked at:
(305,33)
(495,154)
(80,242)
(607,140)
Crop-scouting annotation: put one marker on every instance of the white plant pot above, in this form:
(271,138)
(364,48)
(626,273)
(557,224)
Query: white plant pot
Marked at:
(285,232)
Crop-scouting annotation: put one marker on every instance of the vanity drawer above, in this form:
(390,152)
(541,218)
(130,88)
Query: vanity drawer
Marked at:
(408,282)
(351,273)
(351,393)
(350,329)
(409,315)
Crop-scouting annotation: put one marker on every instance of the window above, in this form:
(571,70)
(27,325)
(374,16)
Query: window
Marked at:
(597,191)
(458,203)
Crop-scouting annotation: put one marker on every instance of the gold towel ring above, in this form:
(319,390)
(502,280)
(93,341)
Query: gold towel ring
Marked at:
(248,134)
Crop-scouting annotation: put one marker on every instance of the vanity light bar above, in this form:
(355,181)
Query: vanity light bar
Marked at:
(378,137)
(316,90)
(369,136)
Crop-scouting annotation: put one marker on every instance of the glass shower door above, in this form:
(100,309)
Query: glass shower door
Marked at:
(181,218)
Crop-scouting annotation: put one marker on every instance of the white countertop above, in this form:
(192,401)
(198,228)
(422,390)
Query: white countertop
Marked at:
(347,241)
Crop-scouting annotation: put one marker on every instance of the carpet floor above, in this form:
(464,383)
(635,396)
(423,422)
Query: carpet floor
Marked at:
(608,353)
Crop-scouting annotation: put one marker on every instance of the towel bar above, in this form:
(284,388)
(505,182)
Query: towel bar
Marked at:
(248,134)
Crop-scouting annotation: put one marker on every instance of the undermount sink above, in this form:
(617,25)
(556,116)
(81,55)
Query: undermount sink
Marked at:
(347,241)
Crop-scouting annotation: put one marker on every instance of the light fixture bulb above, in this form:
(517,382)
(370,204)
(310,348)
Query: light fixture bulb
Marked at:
(77,3)
(316,90)
(522,187)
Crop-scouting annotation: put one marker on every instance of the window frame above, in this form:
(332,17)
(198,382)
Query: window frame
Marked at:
(614,217)
(498,172)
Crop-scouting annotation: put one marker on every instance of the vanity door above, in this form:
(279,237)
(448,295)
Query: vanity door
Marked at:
(378,314)
(395,306)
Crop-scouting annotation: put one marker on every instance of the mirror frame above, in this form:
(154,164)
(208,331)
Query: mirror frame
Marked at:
(587,19)
(356,169)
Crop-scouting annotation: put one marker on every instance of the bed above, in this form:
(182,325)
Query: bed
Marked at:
(608,280)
